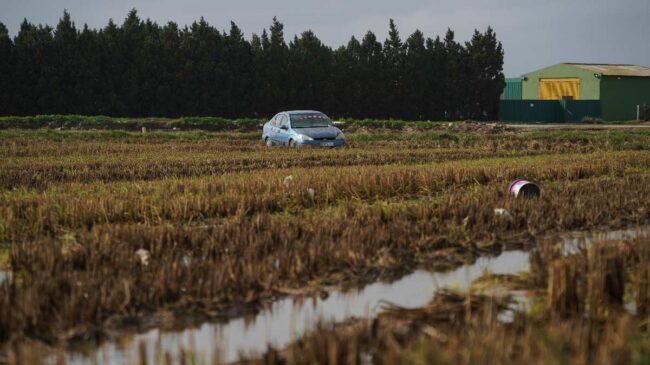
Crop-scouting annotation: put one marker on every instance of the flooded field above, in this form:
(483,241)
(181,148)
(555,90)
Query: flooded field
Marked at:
(289,318)
(5,277)
(127,254)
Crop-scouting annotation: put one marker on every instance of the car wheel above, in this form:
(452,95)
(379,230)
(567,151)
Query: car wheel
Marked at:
(268,142)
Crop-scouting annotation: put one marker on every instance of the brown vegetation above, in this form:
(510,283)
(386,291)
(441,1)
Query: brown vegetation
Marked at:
(106,238)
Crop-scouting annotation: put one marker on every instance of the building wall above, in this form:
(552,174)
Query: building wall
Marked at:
(589,83)
(621,95)
(549,111)
(512,90)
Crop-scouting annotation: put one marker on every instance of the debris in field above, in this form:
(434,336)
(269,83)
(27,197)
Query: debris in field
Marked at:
(143,255)
(474,126)
(524,188)
(500,212)
(311,193)
(434,333)
(287,181)
(144,129)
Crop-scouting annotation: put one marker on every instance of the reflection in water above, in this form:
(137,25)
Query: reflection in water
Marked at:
(5,276)
(287,319)
(574,240)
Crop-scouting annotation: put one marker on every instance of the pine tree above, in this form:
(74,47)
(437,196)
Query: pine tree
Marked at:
(88,88)
(256,45)
(417,71)
(237,65)
(6,71)
(65,65)
(33,70)
(346,72)
(141,69)
(310,64)
(485,73)
(454,82)
(169,78)
(394,69)
(201,48)
(372,77)
(437,79)
(114,62)
(274,69)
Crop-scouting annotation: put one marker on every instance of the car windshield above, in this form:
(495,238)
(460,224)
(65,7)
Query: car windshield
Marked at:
(310,120)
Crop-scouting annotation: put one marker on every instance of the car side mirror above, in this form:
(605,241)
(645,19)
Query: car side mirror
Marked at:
(284,127)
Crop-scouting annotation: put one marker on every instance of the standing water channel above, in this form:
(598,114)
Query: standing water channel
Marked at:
(289,318)
(5,276)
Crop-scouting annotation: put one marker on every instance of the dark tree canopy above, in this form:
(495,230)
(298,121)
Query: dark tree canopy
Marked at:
(140,68)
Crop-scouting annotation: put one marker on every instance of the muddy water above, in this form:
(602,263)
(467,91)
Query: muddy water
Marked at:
(289,318)
(574,240)
(5,276)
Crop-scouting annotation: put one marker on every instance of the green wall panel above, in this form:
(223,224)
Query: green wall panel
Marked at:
(528,111)
(579,110)
(621,95)
(549,111)
(512,90)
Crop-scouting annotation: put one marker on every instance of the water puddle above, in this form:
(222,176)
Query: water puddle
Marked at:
(5,276)
(573,241)
(289,318)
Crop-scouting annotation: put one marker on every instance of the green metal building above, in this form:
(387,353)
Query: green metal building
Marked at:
(612,92)
(512,90)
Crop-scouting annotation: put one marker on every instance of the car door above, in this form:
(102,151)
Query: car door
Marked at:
(274,126)
(283,130)
(267,130)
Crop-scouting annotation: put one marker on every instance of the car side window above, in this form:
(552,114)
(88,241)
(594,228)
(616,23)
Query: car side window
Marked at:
(274,121)
(284,120)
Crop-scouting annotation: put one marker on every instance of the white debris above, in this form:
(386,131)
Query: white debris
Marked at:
(311,193)
(143,255)
(187,260)
(500,212)
(276,264)
(287,181)
(5,276)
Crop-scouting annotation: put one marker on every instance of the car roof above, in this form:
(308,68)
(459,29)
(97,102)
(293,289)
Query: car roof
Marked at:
(290,112)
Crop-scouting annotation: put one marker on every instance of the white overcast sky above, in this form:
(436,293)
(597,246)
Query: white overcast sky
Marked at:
(534,33)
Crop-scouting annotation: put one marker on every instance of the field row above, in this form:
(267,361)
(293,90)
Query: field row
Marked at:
(577,315)
(104,231)
(90,277)
(31,213)
(16,143)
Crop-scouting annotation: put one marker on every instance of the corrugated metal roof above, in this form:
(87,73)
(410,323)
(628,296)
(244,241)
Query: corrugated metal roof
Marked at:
(614,69)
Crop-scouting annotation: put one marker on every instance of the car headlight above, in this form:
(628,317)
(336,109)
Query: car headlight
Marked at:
(340,136)
(306,138)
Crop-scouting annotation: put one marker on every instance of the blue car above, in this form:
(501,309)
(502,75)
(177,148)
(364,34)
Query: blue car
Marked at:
(301,128)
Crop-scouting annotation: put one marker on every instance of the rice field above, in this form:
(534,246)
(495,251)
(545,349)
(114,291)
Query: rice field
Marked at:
(110,233)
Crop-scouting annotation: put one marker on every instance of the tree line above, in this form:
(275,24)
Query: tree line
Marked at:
(140,68)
